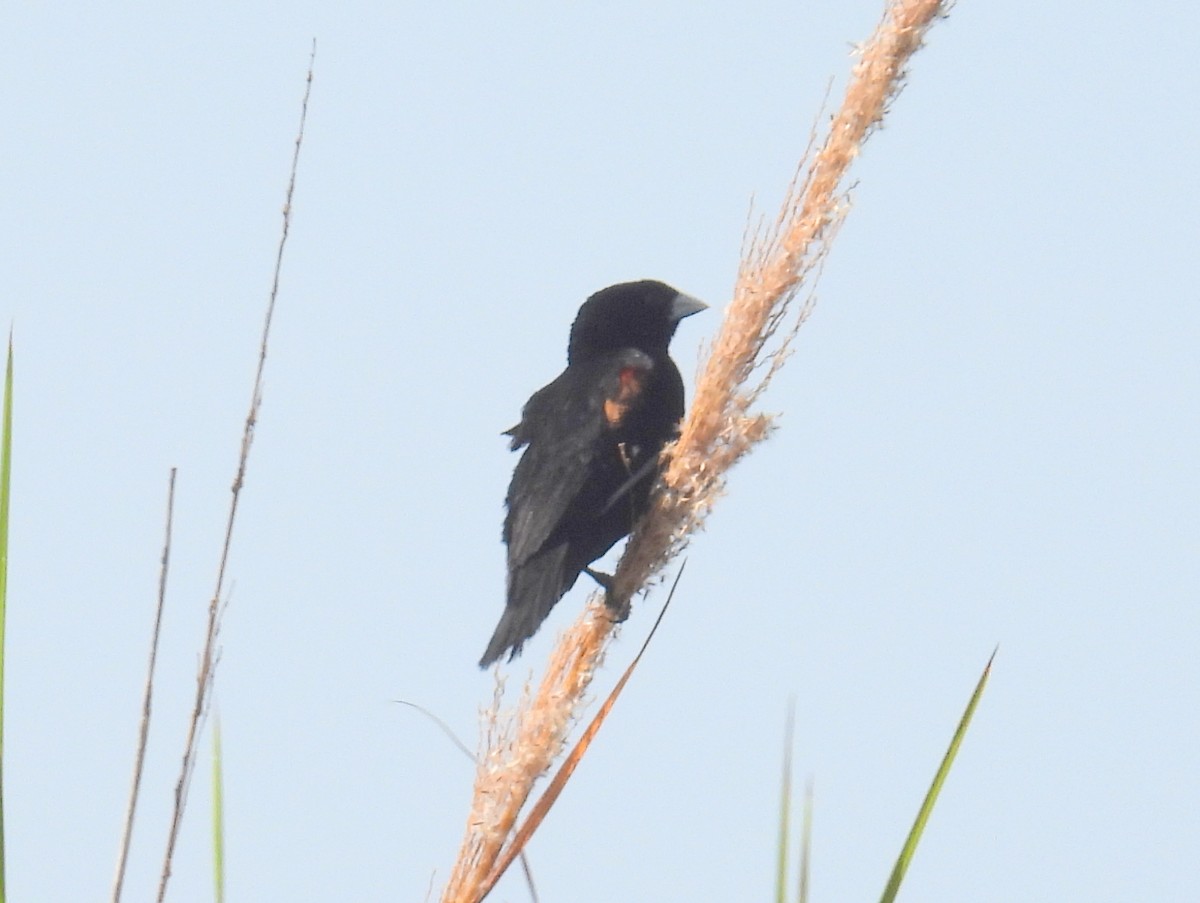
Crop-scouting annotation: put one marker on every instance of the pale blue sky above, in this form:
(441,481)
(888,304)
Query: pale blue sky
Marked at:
(989,434)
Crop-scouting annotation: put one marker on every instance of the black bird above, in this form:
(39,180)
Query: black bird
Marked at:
(592,439)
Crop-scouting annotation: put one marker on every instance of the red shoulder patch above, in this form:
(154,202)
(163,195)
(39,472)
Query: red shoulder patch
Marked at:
(629,387)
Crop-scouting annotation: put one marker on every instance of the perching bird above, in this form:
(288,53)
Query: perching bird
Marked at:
(592,440)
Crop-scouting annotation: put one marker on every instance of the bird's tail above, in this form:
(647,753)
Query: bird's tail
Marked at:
(533,588)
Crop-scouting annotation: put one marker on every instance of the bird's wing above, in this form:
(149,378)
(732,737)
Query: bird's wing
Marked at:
(562,425)
(639,473)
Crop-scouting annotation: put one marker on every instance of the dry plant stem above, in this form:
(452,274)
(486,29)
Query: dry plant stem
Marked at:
(541,808)
(208,656)
(462,747)
(516,751)
(720,428)
(147,697)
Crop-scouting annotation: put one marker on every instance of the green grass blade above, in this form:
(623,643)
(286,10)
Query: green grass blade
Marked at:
(785,807)
(805,843)
(218,814)
(5,474)
(914,835)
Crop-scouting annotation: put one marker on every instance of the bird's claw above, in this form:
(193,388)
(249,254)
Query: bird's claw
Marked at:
(605,580)
(618,609)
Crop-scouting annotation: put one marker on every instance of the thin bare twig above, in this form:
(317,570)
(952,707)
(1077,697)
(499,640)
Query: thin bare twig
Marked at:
(147,697)
(442,725)
(209,654)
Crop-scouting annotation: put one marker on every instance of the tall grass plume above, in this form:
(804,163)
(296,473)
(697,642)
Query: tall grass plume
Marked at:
(771,300)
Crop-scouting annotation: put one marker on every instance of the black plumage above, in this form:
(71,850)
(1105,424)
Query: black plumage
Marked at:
(592,440)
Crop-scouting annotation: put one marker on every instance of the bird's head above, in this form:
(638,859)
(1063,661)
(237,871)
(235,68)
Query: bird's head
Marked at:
(640,315)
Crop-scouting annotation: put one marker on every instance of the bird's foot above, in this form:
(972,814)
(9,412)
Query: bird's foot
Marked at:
(618,609)
(605,580)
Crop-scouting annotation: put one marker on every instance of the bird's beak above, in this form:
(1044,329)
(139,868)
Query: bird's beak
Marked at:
(685,306)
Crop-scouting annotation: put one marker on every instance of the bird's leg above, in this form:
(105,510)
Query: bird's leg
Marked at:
(605,580)
(620,612)
(626,458)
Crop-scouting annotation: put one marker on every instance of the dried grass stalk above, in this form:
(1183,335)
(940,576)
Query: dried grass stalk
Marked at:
(516,750)
(720,428)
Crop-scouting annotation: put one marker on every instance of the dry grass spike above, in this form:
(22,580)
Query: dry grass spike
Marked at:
(720,428)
